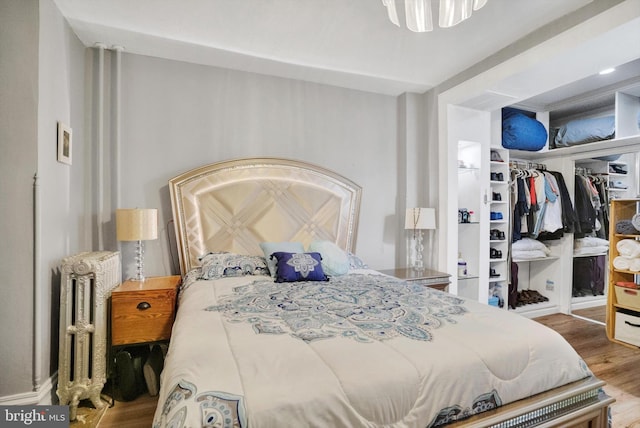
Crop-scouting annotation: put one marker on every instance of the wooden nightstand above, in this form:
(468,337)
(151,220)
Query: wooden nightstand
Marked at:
(427,277)
(143,311)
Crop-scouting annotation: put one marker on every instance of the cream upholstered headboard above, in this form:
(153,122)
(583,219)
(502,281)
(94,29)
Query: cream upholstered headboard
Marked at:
(235,205)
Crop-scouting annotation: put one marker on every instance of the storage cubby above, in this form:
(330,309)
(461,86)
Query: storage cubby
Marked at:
(623,295)
(499,217)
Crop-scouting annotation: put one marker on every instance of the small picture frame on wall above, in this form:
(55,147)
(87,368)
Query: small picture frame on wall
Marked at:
(64,143)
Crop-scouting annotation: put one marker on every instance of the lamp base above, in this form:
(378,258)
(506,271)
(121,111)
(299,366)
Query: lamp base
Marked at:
(418,264)
(139,262)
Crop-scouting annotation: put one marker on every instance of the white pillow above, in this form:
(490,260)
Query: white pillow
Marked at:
(528,244)
(335,261)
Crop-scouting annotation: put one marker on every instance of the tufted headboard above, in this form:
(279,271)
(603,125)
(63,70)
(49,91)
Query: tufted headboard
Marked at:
(234,205)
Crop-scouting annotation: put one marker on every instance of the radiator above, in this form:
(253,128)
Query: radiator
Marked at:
(86,284)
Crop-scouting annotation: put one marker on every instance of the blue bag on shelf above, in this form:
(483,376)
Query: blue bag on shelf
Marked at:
(521,132)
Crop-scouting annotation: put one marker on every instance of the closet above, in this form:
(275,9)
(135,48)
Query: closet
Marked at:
(557,83)
(596,173)
(495,272)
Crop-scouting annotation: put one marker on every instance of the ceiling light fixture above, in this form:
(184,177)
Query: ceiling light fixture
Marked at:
(419,17)
(607,71)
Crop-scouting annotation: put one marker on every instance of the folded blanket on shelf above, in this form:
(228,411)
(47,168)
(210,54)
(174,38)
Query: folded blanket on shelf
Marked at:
(590,241)
(634,265)
(528,244)
(626,227)
(590,251)
(528,255)
(621,263)
(628,248)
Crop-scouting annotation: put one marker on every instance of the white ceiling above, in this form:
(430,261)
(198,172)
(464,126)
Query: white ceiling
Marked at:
(349,43)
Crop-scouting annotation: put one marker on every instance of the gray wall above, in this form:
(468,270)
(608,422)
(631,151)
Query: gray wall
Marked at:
(177,116)
(41,82)
(64,190)
(18,164)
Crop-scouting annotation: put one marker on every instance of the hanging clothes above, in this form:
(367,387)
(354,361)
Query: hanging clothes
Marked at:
(543,208)
(584,207)
(569,216)
(592,205)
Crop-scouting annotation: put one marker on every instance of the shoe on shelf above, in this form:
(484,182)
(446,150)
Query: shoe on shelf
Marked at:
(496,215)
(495,156)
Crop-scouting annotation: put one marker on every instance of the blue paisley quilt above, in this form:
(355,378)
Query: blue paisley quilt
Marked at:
(359,350)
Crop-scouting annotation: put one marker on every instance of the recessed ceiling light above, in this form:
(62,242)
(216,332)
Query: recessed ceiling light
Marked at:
(607,71)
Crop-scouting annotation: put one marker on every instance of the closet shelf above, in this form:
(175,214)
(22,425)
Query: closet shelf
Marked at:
(497,260)
(604,253)
(619,235)
(464,169)
(497,279)
(582,149)
(537,259)
(629,308)
(626,271)
(467,277)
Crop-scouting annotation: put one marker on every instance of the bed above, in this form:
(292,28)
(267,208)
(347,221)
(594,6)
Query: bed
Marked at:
(354,348)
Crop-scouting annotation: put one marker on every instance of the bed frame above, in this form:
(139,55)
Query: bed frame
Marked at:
(234,205)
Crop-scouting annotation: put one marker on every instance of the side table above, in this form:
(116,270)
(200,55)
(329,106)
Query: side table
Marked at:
(427,277)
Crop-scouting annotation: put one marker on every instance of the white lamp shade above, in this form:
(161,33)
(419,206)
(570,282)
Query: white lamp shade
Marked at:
(420,218)
(137,224)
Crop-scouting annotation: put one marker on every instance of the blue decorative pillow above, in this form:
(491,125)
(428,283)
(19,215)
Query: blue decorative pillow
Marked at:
(523,133)
(335,260)
(218,265)
(271,247)
(292,267)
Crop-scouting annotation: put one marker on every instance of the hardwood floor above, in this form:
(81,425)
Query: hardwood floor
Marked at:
(131,414)
(615,364)
(597,313)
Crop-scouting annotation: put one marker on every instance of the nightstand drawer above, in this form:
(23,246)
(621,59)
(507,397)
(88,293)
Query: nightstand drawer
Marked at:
(437,283)
(142,316)
(425,277)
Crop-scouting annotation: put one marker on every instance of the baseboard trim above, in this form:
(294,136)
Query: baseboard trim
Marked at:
(43,396)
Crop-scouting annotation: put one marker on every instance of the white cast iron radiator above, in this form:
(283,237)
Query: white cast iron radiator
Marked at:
(86,284)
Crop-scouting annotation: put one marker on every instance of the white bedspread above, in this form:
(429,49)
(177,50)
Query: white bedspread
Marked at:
(361,350)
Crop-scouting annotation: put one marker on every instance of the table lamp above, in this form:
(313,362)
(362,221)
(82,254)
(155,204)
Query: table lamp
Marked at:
(137,224)
(419,219)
